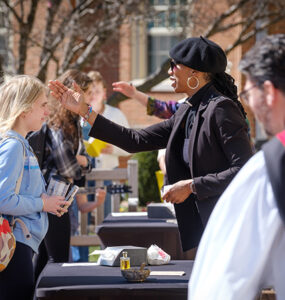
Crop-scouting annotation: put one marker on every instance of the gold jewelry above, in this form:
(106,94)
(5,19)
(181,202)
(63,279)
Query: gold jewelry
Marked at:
(193,87)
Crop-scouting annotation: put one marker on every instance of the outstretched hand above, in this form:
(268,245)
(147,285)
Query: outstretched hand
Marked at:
(125,88)
(70,99)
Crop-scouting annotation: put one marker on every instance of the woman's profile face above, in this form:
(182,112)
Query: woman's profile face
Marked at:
(38,114)
(178,75)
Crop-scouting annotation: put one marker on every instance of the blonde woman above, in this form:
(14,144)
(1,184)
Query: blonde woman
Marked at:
(65,156)
(23,109)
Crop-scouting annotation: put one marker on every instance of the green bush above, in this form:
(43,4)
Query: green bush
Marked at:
(148,190)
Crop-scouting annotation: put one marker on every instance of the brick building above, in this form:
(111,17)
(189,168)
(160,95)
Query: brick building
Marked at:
(135,62)
(142,46)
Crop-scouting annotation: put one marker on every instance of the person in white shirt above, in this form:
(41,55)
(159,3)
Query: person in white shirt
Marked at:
(109,157)
(243,247)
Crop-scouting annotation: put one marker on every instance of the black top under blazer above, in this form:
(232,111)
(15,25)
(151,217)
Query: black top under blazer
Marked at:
(219,146)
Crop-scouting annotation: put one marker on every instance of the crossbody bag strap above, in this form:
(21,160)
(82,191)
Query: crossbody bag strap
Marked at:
(17,189)
(19,181)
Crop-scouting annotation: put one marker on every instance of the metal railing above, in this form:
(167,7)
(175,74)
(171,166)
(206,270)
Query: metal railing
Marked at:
(129,174)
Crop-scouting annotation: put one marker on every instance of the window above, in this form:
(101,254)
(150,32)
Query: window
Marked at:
(164,30)
(158,49)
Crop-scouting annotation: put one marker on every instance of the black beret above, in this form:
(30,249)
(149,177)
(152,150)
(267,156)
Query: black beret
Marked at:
(199,54)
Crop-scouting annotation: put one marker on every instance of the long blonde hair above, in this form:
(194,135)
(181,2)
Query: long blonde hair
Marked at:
(18,95)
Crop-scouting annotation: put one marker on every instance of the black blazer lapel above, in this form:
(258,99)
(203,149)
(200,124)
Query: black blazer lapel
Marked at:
(193,135)
(206,98)
(179,117)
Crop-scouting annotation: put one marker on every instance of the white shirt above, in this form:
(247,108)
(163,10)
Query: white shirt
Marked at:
(243,247)
(111,161)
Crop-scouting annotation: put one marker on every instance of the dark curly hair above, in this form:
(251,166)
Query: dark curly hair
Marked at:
(225,84)
(266,61)
(61,118)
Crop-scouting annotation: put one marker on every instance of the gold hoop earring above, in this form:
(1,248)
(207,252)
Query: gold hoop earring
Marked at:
(193,87)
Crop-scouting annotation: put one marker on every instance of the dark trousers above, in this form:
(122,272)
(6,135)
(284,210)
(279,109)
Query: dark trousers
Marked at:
(17,280)
(56,244)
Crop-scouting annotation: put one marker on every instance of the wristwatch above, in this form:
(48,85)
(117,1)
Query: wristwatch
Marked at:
(192,186)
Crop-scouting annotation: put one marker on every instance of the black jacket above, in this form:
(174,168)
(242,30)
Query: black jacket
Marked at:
(274,153)
(219,146)
(37,141)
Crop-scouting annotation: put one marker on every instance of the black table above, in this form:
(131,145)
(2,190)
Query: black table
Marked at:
(141,231)
(100,282)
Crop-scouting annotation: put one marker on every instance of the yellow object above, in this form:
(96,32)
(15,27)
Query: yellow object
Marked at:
(159,177)
(125,261)
(94,149)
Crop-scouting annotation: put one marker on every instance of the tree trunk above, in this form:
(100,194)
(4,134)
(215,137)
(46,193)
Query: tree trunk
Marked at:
(1,70)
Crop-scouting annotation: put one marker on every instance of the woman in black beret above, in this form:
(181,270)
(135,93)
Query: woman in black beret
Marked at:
(206,140)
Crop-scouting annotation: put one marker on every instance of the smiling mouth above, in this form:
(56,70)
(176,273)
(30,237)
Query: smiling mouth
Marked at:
(173,79)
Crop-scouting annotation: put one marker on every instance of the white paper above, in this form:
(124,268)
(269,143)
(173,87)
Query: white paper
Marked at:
(165,189)
(167,273)
(133,201)
(96,252)
(79,264)
(107,256)
(129,214)
(173,221)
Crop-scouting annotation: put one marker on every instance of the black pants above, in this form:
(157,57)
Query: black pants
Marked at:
(56,244)
(17,280)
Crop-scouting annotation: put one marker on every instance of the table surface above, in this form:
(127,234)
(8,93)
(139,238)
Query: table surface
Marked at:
(141,231)
(134,218)
(90,281)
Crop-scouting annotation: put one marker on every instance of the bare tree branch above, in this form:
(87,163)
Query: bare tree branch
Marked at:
(25,30)
(151,81)
(233,9)
(57,39)
(247,12)
(252,33)
(13,11)
(74,35)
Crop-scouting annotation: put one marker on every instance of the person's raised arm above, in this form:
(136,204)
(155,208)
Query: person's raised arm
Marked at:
(130,91)
(72,100)
(158,108)
(87,206)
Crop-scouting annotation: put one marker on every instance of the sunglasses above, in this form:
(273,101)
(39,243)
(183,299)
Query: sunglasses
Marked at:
(173,65)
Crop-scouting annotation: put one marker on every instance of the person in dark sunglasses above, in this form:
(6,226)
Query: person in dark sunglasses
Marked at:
(206,140)
(242,249)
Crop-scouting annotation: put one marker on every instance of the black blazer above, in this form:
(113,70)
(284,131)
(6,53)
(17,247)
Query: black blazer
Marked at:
(37,141)
(274,154)
(219,146)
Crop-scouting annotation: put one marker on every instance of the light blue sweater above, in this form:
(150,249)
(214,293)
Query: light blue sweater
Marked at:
(27,205)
